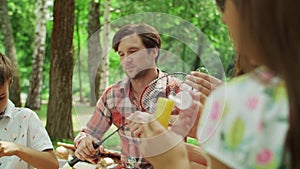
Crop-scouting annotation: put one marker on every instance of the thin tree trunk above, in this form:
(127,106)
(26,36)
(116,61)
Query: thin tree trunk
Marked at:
(105,60)
(34,93)
(94,49)
(10,51)
(81,98)
(59,115)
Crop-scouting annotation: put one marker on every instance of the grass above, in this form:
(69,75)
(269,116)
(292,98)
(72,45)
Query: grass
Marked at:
(42,113)
(80,116)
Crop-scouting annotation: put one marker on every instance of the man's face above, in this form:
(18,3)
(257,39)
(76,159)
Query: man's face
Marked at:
(135,58)
(4,95)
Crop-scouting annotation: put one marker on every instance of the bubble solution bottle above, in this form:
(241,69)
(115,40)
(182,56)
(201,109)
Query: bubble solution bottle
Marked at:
(163,111)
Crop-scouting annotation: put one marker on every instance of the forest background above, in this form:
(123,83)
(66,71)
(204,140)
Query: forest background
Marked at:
(61,49)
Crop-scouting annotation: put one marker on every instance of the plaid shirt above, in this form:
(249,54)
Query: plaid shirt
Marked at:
(117,103)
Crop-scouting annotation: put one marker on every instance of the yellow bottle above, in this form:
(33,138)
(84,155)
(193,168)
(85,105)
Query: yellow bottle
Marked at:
(163,111)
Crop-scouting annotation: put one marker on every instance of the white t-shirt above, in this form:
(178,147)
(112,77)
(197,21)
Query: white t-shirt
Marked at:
(22,126)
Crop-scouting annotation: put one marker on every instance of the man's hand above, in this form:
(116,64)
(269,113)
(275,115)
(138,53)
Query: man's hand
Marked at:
(143,124)
(85,149)
(204,83)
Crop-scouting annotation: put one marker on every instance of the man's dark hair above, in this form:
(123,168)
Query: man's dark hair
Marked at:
(148,34)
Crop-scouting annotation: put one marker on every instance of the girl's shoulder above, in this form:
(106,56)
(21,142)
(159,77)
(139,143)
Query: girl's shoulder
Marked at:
(259,81)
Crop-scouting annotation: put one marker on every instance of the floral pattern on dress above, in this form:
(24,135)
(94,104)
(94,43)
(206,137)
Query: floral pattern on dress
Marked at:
(244,124)
(234,136)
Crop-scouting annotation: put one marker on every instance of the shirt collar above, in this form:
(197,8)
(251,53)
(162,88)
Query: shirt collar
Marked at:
(9,109)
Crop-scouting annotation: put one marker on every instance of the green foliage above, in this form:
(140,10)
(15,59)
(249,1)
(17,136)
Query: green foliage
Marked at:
(202,14)
(22,18)
(115,68)
(2,49)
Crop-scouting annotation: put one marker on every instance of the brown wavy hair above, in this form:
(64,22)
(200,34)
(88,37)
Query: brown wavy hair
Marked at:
(273,28)
(148,34)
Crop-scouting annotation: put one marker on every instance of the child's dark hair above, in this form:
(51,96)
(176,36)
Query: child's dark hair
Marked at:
(6,70)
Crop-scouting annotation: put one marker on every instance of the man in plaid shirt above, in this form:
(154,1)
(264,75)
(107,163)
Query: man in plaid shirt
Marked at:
(138,46)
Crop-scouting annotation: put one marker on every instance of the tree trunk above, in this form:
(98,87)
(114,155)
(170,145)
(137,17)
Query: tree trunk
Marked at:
(94,49)
(59,115)
(10,51)
(105,60)
(34,93)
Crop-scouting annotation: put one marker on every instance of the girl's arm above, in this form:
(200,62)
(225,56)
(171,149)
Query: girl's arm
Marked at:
(216,164)
(196,154)
(164,149)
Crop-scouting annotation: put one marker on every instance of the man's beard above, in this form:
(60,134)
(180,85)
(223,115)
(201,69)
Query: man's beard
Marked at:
(141,74)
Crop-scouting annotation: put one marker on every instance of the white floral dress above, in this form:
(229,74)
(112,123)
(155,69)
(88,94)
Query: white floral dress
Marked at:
(244,123)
